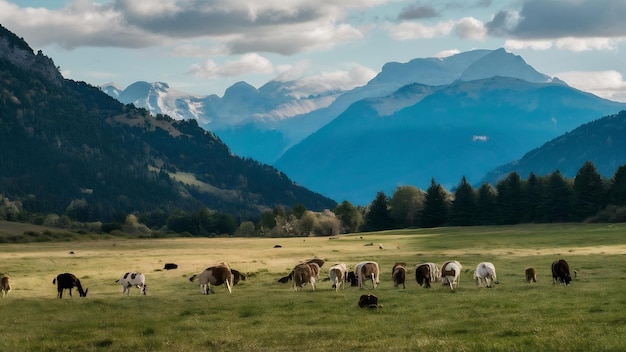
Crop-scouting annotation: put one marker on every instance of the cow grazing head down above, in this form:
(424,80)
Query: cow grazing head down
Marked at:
(215,275)
(531,275)
(485,274)
(427,273)
(318,261)
(5,286)
(398,274)
(450,273)
(303,274)
(367,271)
(68,281)
(560,272)
(131,279)
(338,275)
(369,301)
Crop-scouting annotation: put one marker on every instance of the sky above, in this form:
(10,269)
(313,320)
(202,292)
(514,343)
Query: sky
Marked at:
(203,47)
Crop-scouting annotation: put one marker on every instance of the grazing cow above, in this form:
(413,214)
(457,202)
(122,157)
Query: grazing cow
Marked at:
(5,286)
(426,273)
(560,272)
(531,275)
(215,275)
(351,278)
(129,280)
(68,281)
(485,273)
(450,273)
(367,271)
(338,275)
(369,301)
(170,266)
(303,274)
(319,262)
(398,274)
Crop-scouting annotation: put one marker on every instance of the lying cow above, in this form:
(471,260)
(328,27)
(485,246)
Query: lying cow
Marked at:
(369,301)
(560,272)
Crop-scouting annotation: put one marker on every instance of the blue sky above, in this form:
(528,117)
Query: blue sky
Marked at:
(202,47)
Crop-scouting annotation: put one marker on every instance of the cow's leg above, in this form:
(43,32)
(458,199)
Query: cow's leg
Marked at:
(228,286)
(312,283)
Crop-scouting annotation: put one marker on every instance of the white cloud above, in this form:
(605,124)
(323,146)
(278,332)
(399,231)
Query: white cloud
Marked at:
(606,84)
(447,53)
(248,63)
(512,44)
(415,30)
(587,44)
(470,28)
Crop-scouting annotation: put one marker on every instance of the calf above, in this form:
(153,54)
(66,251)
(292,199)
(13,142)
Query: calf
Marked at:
(5,286)
(398,274)
(560,272)
(369,301)
(531,275)
(68,281)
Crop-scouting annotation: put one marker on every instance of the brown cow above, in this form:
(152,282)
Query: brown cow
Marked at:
(303,274)
(215,275)
(531,275)
(560,272)
(367,271)
(398,274)
(5,286)
(426,273)
(319,262)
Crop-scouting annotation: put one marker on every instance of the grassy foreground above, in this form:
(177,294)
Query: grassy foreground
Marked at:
(264,315)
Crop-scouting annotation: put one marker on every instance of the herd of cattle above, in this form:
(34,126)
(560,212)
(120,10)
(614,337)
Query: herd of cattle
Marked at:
(308,272)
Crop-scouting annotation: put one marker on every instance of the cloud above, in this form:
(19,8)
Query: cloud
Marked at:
(305,84)
(248,63)
(235,26)
(606,84)
(465,28)
(470,28)
(540,20)
(416,11)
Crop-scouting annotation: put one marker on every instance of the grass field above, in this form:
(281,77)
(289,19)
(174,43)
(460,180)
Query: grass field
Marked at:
(264,315)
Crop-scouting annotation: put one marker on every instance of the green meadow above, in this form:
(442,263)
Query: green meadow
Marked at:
(264,315)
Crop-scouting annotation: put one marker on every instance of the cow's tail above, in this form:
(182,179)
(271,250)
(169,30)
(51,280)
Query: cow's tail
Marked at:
(54,281)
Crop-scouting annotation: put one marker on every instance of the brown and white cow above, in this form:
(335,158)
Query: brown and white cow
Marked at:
(427,273)
(398,274)
(68,281)
(215,275)
(303,274)
(560,272)
(318,261)
(450,273)
(5,286)
(531,275)
(367,270)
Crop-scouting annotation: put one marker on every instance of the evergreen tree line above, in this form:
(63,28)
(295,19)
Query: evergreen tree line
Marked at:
(547,199)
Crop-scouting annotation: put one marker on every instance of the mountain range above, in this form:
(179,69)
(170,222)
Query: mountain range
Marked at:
(67,147)
(429,118)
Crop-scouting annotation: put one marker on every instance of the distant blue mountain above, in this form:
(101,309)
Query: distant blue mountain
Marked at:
(603,142)
(461,129)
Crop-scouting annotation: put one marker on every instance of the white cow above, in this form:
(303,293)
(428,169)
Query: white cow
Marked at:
(450,273)
(485,274)
(337,274)
(366,271)
(131,279)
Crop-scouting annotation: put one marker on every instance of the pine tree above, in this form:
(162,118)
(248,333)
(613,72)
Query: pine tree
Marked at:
(557,198)
(617,190)
(509,199)
(435,211)
(463,206)
(378,218)
(589,192)
(485,205)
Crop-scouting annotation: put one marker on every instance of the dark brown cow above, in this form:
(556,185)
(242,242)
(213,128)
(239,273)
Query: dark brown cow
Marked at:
(427,273)
(215,275)
(237,276)
(531,275)
(398,274)
(560,272)
(170,266)
(68,281)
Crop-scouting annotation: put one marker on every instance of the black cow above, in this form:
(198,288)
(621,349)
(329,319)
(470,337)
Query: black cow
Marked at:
(68,281)
(560,272)
(352,279)
(398,274)
(170,266)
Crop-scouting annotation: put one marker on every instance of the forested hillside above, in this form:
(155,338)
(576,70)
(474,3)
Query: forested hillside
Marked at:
(68,148)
